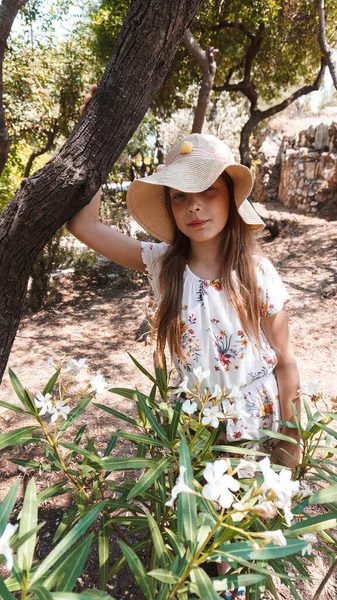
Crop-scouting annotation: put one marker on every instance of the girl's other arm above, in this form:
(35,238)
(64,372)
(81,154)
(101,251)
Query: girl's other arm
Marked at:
(277,333)
(113,244)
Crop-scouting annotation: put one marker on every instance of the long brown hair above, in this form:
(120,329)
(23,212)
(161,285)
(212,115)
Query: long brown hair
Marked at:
(238,249)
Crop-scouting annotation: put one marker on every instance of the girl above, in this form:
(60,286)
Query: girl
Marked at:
(221,303)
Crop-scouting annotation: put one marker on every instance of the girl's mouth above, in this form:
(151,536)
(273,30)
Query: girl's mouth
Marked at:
(197,223)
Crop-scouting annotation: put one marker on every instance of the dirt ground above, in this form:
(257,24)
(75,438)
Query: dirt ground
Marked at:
(99,319)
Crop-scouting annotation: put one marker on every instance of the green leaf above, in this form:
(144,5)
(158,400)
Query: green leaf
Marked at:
(83,452)
(152,420)
(158,542)
(28,522)
(307,409)
(50,385)
(66,573)
(73,415)
(244,550)
(143,370)
(7,505)
(279,436)
(54,490)
(164,575)
(161,376)
(40,592)
(138,570)
(123,464)
(19,390)
(125,392)
(312,524)
(150,477)
(175,421)
(327,429)
(4,592)
(67,541)
(139,439)
(324,496)
(103,551)
(18,437)
(235,581)
(14,408)
(176,544)
(116,413)
(238,450)
(204,584)
(67,521)
(187,507)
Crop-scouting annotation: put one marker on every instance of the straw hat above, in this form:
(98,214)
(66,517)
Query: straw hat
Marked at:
(191,166)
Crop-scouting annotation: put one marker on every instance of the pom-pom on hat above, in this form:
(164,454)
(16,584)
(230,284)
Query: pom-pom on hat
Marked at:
(192,165)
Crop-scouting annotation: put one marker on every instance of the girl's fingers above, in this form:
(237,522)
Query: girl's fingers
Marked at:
(93,88)
(87,99)
(82,107)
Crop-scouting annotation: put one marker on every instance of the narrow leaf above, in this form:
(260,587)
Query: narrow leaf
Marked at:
(187,507)
(4,592)
(103,551)
(150,477)
(74,414)
(158,542)
(67,541)
(204,584)
(324,496)
(138,570)
(123,464)
(117,414)
(152,420)
(50,385)
(18,437)
(7,505)
(14,408)
(164,575)
(28,522)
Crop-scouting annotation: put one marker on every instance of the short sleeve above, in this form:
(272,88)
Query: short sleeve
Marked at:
(152,254)
(273,293)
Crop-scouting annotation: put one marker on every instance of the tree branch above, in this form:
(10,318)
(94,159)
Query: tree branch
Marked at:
(8,11)
(208,67)
(50,140)
(323,43)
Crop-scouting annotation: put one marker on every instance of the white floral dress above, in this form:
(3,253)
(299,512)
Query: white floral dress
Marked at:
(212,338)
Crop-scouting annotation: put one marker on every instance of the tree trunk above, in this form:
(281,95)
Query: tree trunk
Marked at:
(146,46)
(208,67)
(8,11)
(245,134)
(323,43)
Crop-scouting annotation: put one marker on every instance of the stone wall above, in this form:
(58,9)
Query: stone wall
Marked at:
(301,171)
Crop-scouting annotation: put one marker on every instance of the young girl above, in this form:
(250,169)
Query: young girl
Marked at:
(220,302)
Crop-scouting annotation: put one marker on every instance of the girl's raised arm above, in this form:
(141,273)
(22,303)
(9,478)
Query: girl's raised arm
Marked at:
(109,242)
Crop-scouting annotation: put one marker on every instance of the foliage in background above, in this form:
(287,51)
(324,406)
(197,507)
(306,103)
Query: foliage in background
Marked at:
(181,523)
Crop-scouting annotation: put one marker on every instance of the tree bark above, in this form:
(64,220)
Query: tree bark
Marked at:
(257,116)
(208,67)
(323,43)
(144,50)
(8,11)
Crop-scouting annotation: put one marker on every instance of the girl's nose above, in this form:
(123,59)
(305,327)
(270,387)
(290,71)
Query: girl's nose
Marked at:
(194,202)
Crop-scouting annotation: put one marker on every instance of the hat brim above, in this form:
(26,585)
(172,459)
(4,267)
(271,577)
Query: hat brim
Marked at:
(146,199)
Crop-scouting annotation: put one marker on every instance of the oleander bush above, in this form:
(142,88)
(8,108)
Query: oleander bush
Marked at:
(189,500)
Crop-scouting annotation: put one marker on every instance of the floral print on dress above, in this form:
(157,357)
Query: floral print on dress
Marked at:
(213,339)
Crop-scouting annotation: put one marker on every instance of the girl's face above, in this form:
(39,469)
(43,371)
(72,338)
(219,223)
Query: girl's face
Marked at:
(201,216)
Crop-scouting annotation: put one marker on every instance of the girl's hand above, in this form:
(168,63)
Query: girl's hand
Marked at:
(88,97)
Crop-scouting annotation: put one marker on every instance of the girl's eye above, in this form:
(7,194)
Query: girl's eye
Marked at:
(178,196)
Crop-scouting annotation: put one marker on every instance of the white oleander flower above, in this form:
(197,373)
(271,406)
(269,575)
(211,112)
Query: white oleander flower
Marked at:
(73,366)
(309,537)
(217,392)
(246,468)
(98,383)
(266,510)
(43,402)
(59,410)
(211,416)
(234,393)
(189,407)
(282,485)
(305,489)
(182,389)
(179,487)
(235,410)
(201,375)
(5,548)
(219,484)
(276,537)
